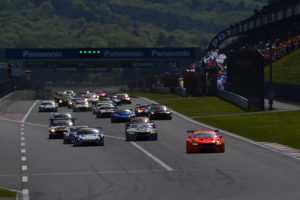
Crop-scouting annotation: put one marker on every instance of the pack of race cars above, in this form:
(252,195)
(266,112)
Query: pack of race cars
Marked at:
(139,124)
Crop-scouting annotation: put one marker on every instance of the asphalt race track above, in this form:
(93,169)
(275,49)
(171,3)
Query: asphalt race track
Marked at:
(157,170)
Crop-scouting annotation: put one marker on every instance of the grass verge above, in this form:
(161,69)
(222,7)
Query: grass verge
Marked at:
(7,193)
(200,106)
(278,127)
(287,69)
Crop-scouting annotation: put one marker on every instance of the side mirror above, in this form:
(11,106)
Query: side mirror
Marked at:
(220,136)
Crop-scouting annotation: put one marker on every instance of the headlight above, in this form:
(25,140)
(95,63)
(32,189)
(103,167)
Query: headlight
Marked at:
(131,133)
(60,101)
(52,130)
(152,132)
(218,142)
(98,138)
(194,143)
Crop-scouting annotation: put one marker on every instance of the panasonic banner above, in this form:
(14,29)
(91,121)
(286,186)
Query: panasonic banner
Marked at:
(106,53)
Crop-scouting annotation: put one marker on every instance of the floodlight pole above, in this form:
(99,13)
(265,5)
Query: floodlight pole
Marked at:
(270,92)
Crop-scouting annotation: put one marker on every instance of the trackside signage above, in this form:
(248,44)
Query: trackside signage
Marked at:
(105,53)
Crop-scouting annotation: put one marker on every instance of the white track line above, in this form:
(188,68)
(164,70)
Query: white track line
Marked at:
(23,158)
(23,150)
(25,195)
(24,168)
(161,163)
(24,179)
(226,132)
(22,138)
(29,111)
(23,144)
(22,133)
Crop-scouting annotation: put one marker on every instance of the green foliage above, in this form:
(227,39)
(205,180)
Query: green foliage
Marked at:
(117,23)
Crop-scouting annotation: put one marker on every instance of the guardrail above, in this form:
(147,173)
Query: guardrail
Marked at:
(235,99)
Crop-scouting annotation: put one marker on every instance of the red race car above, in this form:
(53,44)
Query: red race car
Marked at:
(205,141)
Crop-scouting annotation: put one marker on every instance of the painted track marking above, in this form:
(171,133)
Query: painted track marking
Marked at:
(150,155)
(24,168)
(29,111)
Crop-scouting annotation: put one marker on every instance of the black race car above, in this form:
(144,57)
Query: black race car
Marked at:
(158,111)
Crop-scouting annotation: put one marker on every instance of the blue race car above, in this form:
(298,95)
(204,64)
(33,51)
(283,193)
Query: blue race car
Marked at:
(89,136)
(122,115)
(70,134)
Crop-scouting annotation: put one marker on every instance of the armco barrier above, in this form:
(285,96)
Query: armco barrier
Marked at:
(235,99)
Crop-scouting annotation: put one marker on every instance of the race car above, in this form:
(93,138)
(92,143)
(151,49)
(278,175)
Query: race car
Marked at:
(64,99)
(142,110)
(205,141)
(48,106)
(61,116)
(58,96)
(69,92)
(102,103)
(101,93)
(92,98)
(82,106)
(73,100)
(89,136)
(124,98)
(70,134)
(158,111)
(122,115)
(58,127)
(105,111)
(137,120)
(141,131)
(116,100)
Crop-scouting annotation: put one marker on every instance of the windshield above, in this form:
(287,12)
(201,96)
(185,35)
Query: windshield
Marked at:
(62,124)
(123,112)
(61,116)
(159,108)
(75,129)
(141,126)
(139,120)
(204,135)
(106,107)
(87,132)
(47,104)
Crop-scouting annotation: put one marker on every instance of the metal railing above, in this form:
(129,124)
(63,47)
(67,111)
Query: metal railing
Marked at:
(235,99)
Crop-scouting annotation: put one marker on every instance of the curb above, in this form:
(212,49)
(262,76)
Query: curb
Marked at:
(244,139)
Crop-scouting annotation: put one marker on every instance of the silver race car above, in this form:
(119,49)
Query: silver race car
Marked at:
(48,106)
(144,131)
(89,136)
